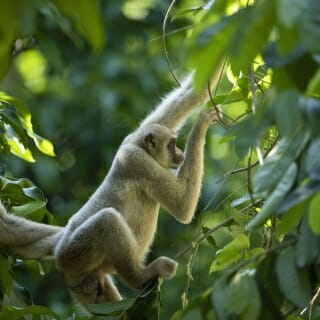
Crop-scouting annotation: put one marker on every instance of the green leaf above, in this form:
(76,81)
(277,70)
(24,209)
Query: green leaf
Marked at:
(288,115)
(5,276)
(231,253)
(289,12)
(308,246)
(44,145)
(243,296)
(14,313)
(294,282)
(312,162)
(311,109)
(28,208)
(314,216)
(111,307)
(210,43)
(278,161)
(251,35)
(218,297)
(270,292)
(9,17)
(309,25)
(86,16)
(275,198)
(290,219)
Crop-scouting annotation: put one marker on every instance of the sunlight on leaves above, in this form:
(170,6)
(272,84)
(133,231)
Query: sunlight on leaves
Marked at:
(32,66)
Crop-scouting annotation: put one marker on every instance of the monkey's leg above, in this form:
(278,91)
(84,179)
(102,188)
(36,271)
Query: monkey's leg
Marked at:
(106,240)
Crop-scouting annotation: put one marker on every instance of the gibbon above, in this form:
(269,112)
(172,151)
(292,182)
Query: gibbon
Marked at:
(114,229)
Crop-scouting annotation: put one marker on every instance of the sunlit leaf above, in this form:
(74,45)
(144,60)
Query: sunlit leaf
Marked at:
(44,145)
(231,253)
(314,216)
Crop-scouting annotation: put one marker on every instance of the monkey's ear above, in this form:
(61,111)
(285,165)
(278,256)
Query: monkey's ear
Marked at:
(149,140)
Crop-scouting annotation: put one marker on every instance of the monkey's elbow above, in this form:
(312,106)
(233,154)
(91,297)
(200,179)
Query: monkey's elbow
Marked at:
(184,216)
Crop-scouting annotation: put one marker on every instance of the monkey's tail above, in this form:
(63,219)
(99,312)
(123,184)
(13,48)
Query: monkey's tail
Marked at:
(25,238)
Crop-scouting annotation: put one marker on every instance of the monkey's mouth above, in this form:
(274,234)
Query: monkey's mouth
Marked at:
(178,159)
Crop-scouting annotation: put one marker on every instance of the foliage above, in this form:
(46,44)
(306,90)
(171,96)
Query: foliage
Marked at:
(257,240)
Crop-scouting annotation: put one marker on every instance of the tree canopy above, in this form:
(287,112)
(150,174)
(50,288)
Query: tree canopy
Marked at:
(77,76)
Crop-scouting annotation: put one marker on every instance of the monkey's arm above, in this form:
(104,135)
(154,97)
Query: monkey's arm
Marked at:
(179,104)
(179,193)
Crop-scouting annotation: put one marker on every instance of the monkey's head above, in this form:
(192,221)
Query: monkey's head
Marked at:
(160,142)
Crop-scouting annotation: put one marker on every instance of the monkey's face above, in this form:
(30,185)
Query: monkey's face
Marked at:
(160,143)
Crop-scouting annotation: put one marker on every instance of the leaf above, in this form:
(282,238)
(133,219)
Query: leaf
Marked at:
(5,276)
(288,115)
(311,108)
(278,161)
(9,17)
(86,16)
(251,35)
(312,162)
(289,12)
(248,131)
(44,145)
(243,297)
(290,219)
(270,293)
(308,245)
(309,25)
(275,198)
(299,195)
(293,281)
(14,313)
(218,297)
(210,43)
(111,307)
(28,208)
(231,253)
(314,216)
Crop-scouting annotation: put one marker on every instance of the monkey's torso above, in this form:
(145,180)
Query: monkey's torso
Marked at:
(125,193)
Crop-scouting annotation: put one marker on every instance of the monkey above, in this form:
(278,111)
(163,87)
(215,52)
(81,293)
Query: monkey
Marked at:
(113,231)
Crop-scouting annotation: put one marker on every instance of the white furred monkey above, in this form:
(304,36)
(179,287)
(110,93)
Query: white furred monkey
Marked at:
(113,231)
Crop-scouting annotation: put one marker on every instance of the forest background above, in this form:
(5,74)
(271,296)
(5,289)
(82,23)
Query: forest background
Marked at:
(77,76)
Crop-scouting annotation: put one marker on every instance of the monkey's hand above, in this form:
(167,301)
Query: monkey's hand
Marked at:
(206,117)
(166,267)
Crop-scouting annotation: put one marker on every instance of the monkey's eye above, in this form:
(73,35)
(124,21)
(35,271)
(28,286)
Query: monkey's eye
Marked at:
(172,143)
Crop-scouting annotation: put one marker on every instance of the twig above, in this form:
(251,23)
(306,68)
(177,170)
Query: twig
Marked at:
(205,235)
(164,25)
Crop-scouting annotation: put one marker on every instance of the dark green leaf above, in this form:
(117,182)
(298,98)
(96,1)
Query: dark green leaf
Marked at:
(243,297)
(311,108)
(288,115)
(269,289)
(251,35)
(294,282)
(308,246)
(276,197)
(278,161)
(111,307)
(312,160)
